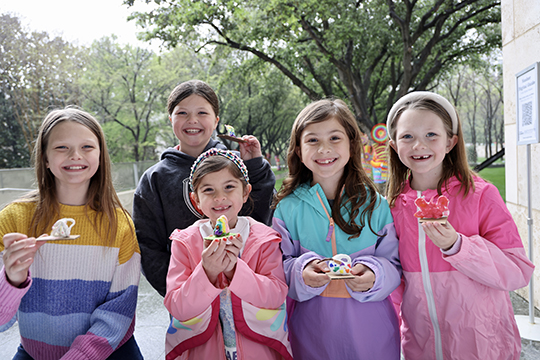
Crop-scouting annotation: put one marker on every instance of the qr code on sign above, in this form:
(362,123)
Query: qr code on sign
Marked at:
(526,114)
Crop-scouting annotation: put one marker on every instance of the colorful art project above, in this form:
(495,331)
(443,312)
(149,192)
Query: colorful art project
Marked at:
(340,267)
(222,231)
(431,210)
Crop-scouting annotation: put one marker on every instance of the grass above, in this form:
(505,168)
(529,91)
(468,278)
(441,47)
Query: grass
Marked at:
(280,175)
(496,176)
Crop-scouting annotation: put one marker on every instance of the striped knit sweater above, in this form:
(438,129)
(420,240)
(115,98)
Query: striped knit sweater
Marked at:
(80,297)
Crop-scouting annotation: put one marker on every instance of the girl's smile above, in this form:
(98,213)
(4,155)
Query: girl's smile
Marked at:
(220,193)
(422,144)
(325,150)
(72,156)
(193,122)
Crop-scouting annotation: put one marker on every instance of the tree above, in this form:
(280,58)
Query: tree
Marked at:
(367,52)
(37,74)
(476,92)
(127,88)
(258,99)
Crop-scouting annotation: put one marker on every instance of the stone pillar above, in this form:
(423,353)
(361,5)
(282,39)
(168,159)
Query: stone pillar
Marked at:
(521,48)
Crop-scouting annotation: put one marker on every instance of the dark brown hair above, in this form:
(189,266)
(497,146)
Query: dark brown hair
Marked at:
(217,163)
(101,195)
(193,87)
(359,188)
(454,164)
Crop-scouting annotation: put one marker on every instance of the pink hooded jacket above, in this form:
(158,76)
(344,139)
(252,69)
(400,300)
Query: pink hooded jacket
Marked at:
(258,292)
(457,306)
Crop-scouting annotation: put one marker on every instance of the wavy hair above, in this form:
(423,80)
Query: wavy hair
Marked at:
(358,187)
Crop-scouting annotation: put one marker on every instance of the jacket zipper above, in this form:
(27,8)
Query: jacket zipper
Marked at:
(428,289)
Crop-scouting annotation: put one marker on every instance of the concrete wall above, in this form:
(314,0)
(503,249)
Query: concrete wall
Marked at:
(521,48)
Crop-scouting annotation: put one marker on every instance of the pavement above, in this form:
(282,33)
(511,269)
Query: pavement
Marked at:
(153,320)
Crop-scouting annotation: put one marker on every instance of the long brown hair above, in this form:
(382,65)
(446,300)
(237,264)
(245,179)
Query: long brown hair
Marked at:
(454,164)
(101,194)
(359,188)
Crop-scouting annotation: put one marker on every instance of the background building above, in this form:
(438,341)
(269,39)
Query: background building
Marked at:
(521,48)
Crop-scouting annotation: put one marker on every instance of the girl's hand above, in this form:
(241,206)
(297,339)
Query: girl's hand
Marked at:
(233,250)
(443,236)
(18,256)
(364,278)
(314,274)
(251,148)
(214,259)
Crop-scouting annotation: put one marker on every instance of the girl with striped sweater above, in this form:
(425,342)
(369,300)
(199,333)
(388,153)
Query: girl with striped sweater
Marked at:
(73,299)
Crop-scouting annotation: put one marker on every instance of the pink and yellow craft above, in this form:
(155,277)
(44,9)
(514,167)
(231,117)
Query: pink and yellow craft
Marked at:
(222,231)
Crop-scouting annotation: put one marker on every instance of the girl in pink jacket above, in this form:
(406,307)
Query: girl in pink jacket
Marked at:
(456,276)
(226,296)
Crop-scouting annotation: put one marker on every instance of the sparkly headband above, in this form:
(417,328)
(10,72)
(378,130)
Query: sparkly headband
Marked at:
(423,95)
(225,153)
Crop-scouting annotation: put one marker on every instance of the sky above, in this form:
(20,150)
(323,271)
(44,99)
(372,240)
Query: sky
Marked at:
(78,21)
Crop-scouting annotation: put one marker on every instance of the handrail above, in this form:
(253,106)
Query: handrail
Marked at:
(489,161)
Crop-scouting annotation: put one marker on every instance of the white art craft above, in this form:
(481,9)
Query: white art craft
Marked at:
(61,227)
(61,230)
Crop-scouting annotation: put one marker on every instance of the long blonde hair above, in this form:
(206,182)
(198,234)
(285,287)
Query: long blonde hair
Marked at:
(454,164)
(359,188)
(101,194)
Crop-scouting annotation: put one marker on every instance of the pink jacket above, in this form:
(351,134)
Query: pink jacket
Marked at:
(457,306)
(258,292)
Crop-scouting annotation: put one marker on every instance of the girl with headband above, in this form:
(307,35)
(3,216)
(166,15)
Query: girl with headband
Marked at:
(454,299)
(226,295)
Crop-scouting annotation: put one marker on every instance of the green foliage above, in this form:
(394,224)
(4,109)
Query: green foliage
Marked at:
(126,87)
(260,101)
(37,74)
(476,91)
(366,52)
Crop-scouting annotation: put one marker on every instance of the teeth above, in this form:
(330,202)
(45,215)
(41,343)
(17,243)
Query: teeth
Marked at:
(75,167)
(325,161)
(420,157)
(192,131)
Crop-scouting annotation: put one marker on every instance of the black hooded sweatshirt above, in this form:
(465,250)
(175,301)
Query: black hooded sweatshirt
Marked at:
(162,204)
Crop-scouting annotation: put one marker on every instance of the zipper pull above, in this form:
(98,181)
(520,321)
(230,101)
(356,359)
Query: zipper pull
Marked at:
(330,230)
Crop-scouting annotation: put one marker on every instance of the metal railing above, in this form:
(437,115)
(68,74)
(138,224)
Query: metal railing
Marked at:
(125,176)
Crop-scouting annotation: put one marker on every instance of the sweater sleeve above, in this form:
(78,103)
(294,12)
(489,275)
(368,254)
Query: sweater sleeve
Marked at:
(112,323)
(189,291)
(265,286)
(385,265)
(262,180)
(151,233)
(10,298)
(294,261)
(495,257)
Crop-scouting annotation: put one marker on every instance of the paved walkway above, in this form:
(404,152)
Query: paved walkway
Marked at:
(153,319)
